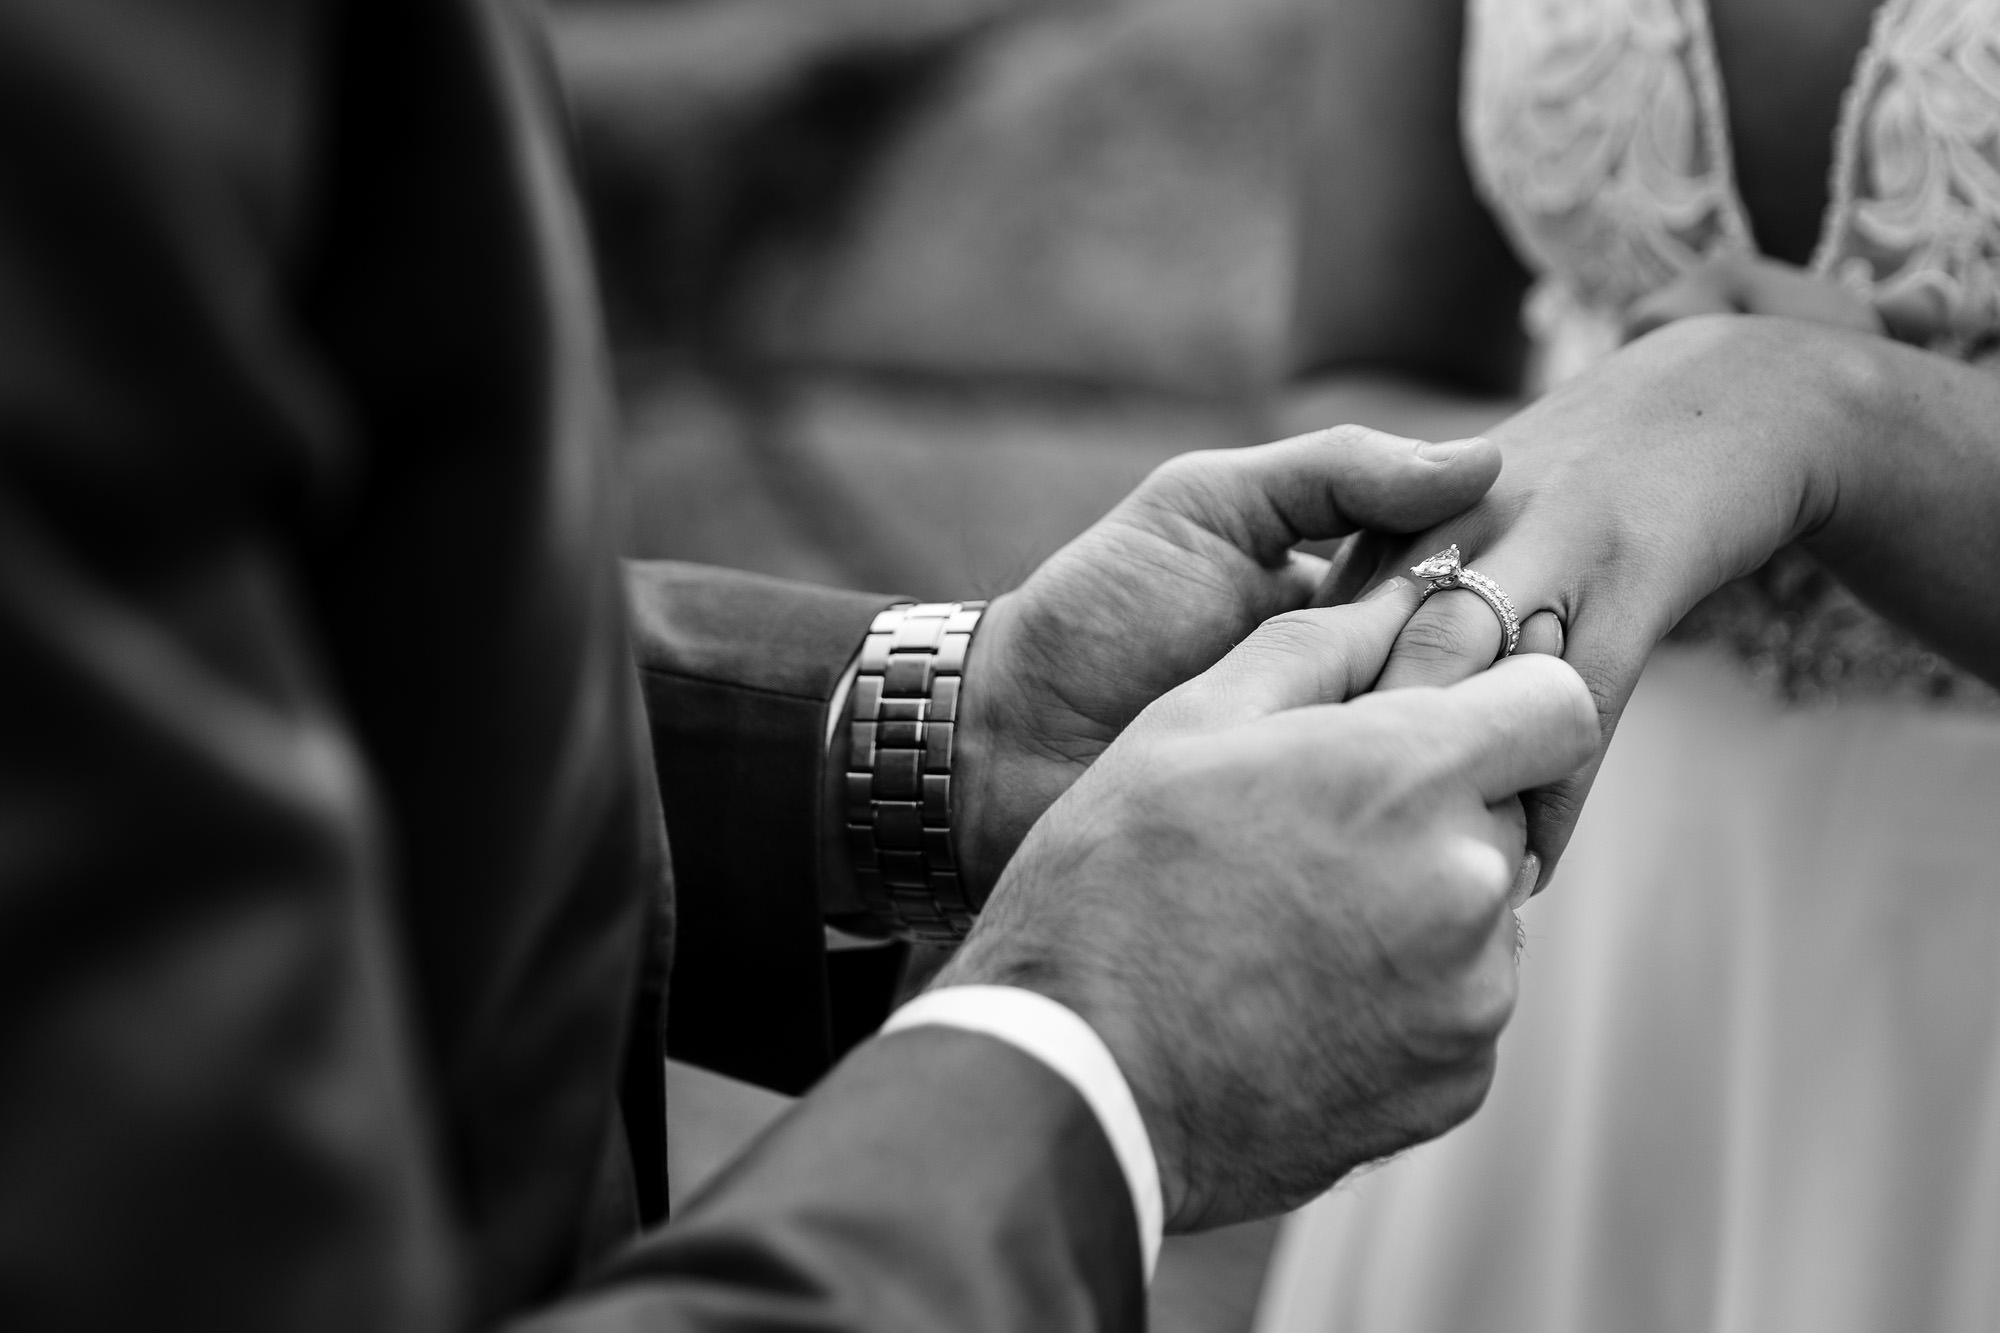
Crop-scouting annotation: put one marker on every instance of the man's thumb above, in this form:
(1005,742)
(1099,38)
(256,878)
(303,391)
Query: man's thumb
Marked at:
(1268,498)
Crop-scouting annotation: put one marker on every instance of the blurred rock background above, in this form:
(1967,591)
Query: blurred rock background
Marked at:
(906,292)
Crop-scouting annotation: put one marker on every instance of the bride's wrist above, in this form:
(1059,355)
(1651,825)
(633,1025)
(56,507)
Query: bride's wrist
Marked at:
(1825,395)
(1860,381)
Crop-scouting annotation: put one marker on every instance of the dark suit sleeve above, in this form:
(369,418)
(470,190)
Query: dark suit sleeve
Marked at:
(938,1180)
(737,671)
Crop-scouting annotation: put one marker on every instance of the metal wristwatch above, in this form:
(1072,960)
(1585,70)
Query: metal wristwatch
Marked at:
(904,712)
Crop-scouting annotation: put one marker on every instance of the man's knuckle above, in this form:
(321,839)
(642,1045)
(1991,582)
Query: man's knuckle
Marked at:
(1164,791)
(1441,925)
(1176,767)
(1294,632)
(1445,1042)
(1190,707)
(1194,494)
(1459,930)
(1485,1006)
(1480,885)
(1347,435)
(1404,744)
(1460,1094)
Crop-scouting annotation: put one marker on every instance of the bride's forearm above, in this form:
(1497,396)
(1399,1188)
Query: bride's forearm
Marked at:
(1913,520)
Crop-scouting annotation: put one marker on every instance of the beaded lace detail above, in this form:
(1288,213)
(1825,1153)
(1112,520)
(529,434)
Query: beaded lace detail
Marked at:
(1914,217)
(1598,132)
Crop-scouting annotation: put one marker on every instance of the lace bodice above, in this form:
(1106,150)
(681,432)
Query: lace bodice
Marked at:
(1597,130)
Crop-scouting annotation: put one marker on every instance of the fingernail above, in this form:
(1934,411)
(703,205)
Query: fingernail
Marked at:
(1386,588)
(1443,451)
(1525,880)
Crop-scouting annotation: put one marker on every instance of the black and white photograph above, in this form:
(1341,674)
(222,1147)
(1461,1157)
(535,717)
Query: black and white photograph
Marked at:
(1000,666)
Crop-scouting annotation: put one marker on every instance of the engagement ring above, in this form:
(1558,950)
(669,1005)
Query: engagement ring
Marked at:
(1443,572)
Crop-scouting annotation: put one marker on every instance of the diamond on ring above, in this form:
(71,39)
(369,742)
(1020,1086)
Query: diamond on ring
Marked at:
(1443,572)
(1443,565)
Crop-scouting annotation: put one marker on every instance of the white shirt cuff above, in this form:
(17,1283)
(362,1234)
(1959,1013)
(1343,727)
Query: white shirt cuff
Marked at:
(1055,1035)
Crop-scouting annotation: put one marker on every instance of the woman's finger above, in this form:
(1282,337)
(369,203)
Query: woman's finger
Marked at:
(1707,290)
(1454,634)
(1457,632)
(1552,815)
(1767,287)
(1914,315)
(1301,577)
(1608,651)
(1751,285)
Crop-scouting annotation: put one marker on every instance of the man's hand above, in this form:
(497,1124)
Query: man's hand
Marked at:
(1289,917)
(1192,561)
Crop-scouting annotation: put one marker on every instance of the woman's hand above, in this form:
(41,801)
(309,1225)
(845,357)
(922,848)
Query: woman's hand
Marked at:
(1629,494)
(1749,284)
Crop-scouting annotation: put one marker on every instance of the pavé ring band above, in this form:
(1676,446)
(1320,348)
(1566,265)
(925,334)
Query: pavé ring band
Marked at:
(1443,571)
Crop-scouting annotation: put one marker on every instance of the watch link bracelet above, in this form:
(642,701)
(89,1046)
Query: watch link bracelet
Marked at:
(904,711)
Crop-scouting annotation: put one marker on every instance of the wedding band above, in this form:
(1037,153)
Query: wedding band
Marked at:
(1443,572)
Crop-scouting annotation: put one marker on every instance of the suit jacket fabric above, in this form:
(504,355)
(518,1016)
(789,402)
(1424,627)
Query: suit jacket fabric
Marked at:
(736,672)
(335,912)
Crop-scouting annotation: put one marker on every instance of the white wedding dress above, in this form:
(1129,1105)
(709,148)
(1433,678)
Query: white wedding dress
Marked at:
(1753,1083)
